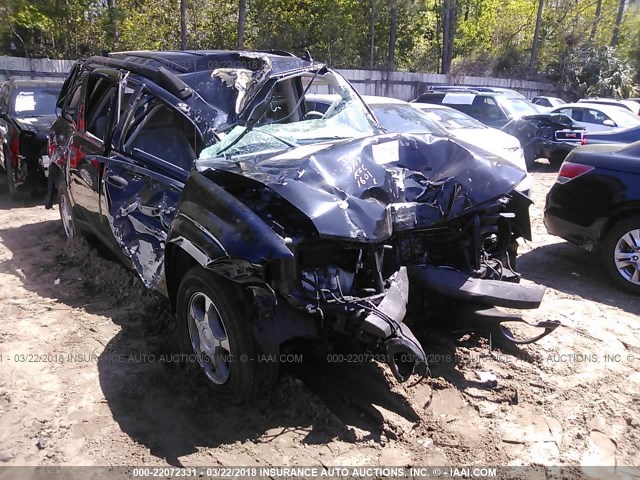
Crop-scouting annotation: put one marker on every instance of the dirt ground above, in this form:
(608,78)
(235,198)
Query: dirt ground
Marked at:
(82,381)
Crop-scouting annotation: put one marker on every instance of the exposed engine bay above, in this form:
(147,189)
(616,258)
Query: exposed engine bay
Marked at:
(358,246)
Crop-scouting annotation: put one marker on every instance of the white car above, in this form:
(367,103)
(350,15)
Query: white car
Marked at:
(470,130)
(594,117)
(399,116)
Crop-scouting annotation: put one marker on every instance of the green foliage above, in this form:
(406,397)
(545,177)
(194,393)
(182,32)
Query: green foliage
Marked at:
(492,37)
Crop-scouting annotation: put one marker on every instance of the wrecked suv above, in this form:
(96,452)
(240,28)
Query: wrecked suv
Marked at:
(269,226)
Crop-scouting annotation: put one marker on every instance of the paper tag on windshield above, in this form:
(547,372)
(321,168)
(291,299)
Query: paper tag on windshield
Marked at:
(387,152)
(25,102)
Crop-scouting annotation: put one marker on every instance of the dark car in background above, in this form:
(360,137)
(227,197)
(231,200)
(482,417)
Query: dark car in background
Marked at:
(545,135)
(493,108)
(626,135)
(27,111)
(595,203)
(478,88)
(267,225)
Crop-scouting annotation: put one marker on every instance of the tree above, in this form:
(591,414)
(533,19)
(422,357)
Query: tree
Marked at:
(242,16)
(183,24)
(596,19)
(372,33)
(448,34)
(393,33)
(616,27)
(536,38)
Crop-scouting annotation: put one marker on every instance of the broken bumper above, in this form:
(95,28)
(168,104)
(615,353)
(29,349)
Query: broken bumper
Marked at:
(475,299)
(403,351)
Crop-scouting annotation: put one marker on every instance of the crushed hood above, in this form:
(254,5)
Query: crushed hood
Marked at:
(364,189)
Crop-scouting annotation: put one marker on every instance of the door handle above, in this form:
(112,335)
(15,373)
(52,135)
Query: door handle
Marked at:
(117,181)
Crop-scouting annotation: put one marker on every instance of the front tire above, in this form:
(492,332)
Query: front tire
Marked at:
(212,326)
(621,254)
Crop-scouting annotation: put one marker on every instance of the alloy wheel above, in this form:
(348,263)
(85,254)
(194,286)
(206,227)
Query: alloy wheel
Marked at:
(209,338)
(627,256)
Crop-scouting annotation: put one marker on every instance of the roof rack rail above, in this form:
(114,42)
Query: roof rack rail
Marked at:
(163,77)
(150,55)
(466,88)
(452,90)
(275,51)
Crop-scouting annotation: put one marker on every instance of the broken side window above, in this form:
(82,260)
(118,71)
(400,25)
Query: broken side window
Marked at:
(162,132)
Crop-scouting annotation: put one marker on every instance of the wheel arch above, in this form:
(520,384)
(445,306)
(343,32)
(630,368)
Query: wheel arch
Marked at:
(629,209)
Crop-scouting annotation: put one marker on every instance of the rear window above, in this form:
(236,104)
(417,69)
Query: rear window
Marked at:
(34,101)
(516,107)
(452,119)
(401,118)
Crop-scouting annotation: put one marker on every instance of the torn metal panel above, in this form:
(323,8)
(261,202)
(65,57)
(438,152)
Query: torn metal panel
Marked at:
(141,210)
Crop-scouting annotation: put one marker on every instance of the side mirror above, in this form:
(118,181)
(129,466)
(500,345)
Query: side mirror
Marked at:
(609,123)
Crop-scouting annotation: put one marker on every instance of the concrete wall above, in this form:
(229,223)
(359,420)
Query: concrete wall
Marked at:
(402,85)
(36,68)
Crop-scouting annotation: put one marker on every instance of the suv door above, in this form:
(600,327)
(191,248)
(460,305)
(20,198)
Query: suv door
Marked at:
(98,98)
(143,180)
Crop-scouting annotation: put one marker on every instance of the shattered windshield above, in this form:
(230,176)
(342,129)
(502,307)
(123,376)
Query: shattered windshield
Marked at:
(284,122)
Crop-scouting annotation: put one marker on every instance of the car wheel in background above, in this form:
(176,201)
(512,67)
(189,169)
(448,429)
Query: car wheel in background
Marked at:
(621,254)
(213,331)
(529,156)
(66,214)
(556,159)
(11,186)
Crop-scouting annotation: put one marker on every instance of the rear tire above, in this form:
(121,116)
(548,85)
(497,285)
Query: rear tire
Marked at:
(66,214)
(8,166)
(621,254)
(556,159)
(213,330)
(529,156)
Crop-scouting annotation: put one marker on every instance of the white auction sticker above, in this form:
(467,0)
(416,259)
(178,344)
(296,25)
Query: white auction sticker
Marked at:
(387,152)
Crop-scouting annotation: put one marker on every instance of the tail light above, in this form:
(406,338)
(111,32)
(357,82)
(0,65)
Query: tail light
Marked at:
(569,171)
(583,141)
(14,151)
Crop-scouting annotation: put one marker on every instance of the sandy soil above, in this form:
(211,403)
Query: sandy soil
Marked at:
(81,381)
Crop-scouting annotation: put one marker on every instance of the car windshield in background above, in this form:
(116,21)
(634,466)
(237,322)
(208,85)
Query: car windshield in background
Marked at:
(404,118)
(624,118)
(452,119)
(516,107)
(34,102)
(346,118)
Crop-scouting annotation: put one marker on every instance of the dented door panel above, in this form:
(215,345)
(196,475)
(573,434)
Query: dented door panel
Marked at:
(139,206)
